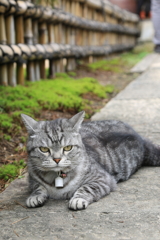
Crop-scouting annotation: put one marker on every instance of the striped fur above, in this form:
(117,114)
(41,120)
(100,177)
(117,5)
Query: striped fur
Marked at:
(103,153)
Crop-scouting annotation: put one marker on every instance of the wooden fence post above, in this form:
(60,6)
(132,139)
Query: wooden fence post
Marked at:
(51,38)
(19,39)
(42,40)
(35,41)
(3,40)
(28,37)
(10,32)
(82,27)
(3,75)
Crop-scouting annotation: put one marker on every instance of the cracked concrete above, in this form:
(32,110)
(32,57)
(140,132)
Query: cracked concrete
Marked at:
(132,212)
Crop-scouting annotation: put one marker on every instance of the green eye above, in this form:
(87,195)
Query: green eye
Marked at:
(44,149)
(67,148)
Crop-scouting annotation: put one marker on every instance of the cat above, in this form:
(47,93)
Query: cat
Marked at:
(82,162)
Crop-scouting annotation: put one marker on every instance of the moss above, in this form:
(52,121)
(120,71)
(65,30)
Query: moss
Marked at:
(72,74)
(7,137)
(23,139)
(109,88)
(113,65)
(132,58)
(11,171)
(62,75)
(5,121)
(61,92)
(127,59)
(143,47)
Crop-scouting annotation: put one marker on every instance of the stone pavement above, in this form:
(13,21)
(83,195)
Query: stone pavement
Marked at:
(130,213)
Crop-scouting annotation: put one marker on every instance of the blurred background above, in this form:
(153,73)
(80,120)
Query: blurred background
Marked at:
(143,9)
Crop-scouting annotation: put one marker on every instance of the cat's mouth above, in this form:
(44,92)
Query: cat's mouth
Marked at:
(60,166)
(54,168)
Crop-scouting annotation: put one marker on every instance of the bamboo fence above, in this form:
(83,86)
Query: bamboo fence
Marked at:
(61,32)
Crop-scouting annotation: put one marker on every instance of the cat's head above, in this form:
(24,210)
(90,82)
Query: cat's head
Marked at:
(54,145)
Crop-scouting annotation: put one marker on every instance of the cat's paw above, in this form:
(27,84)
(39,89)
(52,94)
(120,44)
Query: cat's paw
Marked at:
(78,203)
(35,201)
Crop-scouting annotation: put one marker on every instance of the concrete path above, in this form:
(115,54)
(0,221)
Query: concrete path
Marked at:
(130,213)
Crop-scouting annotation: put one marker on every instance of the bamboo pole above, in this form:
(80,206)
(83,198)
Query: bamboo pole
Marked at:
(52,68)
(10,33)
(42,69)
(61,34)
(43,33)
(86,36)
(19,29)
(73,7)
(51,38)
(31,71)
(79,39)
(63,4)
(20,74)
(68,6)
(35,41)
(85,10)
(19,39)
(3,40)
(61,40)
(43,38)
(3,75)
(67,34)
(37,70)
(71,62)
(78,10)
(54,62)
(28,37)
(35,31)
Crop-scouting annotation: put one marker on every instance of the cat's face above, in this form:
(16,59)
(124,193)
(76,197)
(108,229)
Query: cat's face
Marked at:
(57,154)
(54,145)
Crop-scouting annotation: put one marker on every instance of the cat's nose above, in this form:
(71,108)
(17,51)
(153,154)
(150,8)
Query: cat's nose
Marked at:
(57,160)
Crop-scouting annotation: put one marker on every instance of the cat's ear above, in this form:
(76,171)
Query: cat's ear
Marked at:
(77,120)
(29,123)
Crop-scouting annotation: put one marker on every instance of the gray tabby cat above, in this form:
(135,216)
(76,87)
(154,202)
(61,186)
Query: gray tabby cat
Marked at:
(82,162)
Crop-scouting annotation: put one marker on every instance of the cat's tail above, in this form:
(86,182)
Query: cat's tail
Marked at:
(151,154)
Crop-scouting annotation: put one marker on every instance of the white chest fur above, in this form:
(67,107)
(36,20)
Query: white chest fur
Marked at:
(56,191)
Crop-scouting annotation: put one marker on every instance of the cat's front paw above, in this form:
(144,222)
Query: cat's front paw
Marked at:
(78,203)
(35,201)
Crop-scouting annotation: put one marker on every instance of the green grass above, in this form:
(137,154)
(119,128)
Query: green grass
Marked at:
(127,59)
(107,65)
(7,137)
(116,64)
(62,92)
(11,171)
(72,74)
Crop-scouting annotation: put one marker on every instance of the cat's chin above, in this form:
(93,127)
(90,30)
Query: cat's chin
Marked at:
(57,169)
(54,169)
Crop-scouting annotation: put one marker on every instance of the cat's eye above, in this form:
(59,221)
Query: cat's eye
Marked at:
(44,149)
(67,148)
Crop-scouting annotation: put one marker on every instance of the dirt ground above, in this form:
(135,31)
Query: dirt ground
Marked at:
(15,148)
